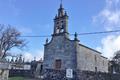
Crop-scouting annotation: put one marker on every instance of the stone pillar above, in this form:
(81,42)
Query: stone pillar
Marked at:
(4,74)
(4,70)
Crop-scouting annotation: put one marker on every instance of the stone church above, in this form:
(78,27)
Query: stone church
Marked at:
(62,53)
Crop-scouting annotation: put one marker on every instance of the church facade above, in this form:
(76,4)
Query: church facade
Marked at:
(61,53)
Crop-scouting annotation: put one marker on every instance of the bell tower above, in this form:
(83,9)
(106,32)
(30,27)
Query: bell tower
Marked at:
(61,22)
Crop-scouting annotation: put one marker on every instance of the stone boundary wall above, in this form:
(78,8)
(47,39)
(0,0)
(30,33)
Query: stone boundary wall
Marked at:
(56,75)
(22,73)
(79,75)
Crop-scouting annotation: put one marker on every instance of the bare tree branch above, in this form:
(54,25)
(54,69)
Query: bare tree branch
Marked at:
(9,38)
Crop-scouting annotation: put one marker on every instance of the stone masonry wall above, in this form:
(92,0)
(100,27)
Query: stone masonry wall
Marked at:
(90,60)
(60,48)
(79,75)
(50,74)
(4,74)
(4,70)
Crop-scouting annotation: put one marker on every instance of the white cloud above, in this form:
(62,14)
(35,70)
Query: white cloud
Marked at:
(28,56)
(38,54)
(110,44)
(109,18)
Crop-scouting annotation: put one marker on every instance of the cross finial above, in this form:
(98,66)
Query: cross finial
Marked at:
(61,1)
(76,39)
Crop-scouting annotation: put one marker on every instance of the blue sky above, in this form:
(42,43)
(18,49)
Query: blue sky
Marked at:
(35,17)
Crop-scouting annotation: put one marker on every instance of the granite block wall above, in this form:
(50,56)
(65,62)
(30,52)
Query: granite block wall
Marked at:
(80,75)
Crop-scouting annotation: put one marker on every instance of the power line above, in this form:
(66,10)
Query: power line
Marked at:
(37,36)
(87,33)
(102,32)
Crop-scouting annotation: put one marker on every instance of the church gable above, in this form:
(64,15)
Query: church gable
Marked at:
(60,51)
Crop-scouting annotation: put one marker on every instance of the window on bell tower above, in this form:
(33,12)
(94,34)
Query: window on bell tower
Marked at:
(61,22)
(60,27)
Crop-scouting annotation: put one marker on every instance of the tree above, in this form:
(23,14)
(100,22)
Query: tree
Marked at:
(9,38)
(116,62)
(116,57)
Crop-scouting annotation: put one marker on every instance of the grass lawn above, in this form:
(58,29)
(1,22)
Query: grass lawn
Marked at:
(16,78)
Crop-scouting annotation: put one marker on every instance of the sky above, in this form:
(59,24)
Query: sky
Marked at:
(35,17)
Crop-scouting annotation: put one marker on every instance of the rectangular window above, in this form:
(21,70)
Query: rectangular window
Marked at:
(103,63)
(95,58)
(95,69)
